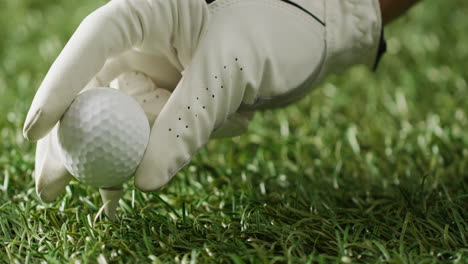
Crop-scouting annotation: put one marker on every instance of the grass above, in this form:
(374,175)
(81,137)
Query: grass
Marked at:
(371,167)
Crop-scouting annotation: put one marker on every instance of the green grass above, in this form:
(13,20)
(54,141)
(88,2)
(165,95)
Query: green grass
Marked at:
(371,167)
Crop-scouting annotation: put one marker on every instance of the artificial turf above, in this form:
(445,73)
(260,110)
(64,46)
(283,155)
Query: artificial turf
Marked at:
(370,168)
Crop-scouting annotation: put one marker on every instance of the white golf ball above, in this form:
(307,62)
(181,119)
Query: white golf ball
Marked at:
(103,136)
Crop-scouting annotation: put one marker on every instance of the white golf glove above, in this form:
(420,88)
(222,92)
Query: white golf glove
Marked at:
(221,61)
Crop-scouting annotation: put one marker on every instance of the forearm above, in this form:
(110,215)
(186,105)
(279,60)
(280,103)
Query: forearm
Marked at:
(392,9)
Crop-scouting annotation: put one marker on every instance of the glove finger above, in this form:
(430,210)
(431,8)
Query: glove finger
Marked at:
(157,66)
(50,174)
(107,32)
(171,30)
(211,89)
(138,85)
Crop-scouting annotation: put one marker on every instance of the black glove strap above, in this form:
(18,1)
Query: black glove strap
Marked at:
(381,51)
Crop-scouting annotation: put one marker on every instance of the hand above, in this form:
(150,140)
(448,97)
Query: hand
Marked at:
(222,62)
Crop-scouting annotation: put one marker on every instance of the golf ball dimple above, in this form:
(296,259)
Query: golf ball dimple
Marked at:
(103,136)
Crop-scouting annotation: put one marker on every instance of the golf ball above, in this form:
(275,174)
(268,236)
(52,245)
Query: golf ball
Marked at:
(103,136)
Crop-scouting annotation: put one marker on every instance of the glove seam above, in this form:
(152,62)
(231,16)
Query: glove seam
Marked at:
(220,5)
(305,10)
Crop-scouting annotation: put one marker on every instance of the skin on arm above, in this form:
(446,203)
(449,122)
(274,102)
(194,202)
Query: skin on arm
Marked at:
(392,9)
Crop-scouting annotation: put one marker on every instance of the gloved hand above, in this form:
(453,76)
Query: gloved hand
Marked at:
(222,62)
